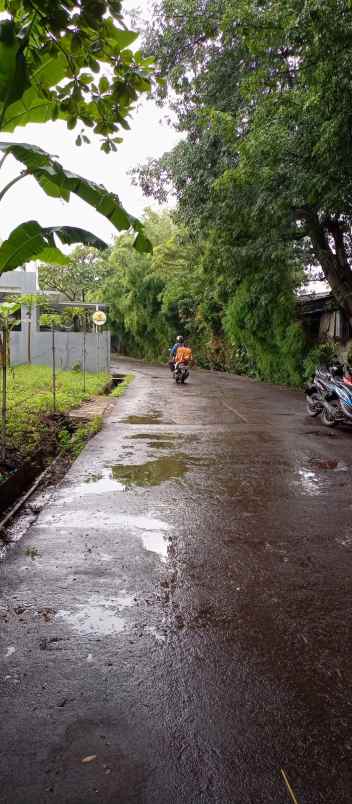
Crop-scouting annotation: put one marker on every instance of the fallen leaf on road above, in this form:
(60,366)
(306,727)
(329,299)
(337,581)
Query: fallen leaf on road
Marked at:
(91,758)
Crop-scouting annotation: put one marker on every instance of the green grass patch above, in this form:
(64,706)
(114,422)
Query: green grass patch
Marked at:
(30,402)
(121,388)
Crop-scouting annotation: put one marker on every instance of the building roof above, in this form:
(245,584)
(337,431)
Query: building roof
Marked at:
(316,303)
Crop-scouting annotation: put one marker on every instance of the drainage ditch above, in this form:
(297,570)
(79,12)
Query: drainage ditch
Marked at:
(46,469)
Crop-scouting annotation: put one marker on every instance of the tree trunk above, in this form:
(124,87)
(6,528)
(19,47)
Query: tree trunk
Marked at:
(335,265)
(29,355)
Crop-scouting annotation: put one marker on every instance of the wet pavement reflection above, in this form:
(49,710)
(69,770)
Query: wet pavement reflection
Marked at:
(155,440)
(155,417)
(103,482)
(99,615)
(182,613)
(155,472)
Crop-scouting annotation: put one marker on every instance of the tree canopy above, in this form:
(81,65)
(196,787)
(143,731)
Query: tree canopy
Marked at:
(262,96)
(78,281)
(69,60)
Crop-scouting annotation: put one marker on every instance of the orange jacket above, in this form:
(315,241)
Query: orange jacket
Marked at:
(183,354)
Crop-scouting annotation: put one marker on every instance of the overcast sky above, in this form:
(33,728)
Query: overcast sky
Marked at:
(150,136)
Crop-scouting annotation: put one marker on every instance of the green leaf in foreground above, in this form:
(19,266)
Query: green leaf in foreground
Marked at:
(30,241)
(142,244)
(58,182)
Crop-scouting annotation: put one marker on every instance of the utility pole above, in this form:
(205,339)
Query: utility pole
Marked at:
(29,335)
(54,365)
(84,351)
(4,394)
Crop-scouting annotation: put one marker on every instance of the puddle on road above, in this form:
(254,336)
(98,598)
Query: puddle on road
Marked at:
(310,482)
(148,436)
(101,483)
(161,444)
(149,530)
(153,473)
(154,417)
(156,440)
(155,543)
(313,477)
(153,536)
(335,466)
(99,615)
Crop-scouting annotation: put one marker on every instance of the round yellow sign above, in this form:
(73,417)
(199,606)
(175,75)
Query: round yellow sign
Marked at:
(99,318)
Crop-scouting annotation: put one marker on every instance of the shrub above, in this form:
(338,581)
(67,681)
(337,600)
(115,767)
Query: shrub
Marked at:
(321,355)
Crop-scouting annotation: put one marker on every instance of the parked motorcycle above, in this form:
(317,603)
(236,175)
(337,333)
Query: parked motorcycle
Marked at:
(330,395)
(181,373)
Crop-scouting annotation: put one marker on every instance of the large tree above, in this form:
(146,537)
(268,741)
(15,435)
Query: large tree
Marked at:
(296,148)
(264,95)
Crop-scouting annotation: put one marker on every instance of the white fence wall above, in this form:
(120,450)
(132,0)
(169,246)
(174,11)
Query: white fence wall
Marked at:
(68,349)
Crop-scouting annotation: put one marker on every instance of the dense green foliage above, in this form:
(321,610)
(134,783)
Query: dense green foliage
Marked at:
(271,340)
(262,95)
(150,296)
(154,297)
(69,61)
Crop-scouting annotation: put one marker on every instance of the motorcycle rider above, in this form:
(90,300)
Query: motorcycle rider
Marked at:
(183,354)
(179,342)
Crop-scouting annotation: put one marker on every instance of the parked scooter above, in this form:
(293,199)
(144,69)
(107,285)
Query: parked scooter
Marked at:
(330,395)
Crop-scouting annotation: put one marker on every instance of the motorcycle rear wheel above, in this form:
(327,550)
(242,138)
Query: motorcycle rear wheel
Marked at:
(327,418)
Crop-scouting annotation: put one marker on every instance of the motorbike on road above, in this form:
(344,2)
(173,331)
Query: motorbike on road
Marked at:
(181,373)
(330,395)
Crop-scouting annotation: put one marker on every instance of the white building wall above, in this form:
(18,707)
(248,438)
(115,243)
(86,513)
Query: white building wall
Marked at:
(19,281)
(68,345)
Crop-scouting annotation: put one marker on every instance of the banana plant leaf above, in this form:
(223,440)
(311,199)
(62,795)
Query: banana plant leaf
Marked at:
(30,241)
(58,182)
(142,244)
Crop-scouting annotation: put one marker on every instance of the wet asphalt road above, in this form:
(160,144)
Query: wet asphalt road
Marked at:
(181,609)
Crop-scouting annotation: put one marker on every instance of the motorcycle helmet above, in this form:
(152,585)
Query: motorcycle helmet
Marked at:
(179,339)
